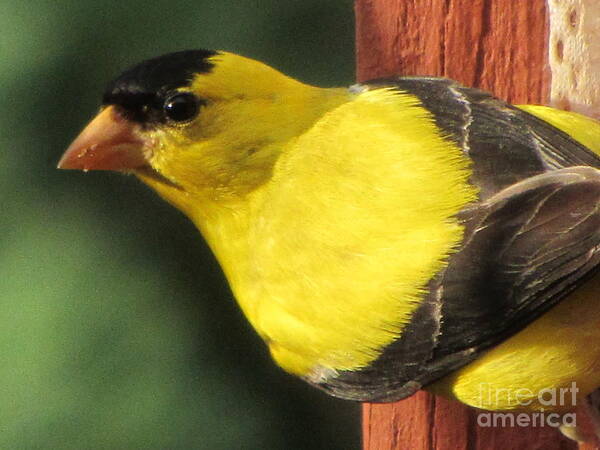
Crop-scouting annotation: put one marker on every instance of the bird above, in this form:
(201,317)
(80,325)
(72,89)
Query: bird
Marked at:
(399,234)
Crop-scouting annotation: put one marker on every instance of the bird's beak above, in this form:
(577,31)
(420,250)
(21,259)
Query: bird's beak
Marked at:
(108,142)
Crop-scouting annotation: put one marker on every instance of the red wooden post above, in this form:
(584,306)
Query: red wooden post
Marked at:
(497,45)
(500,46)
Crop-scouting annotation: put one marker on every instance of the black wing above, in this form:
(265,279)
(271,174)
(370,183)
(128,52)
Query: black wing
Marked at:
(527,248)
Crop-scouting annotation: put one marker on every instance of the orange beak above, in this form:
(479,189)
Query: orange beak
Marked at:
(108,142)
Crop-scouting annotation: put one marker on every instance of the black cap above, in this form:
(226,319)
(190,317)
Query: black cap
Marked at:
(141,91)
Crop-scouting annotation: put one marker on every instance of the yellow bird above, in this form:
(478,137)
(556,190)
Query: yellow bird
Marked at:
(400,234)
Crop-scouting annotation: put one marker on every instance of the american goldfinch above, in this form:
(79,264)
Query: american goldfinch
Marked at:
(401,234)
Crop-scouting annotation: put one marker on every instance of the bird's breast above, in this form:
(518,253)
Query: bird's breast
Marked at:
(341,243)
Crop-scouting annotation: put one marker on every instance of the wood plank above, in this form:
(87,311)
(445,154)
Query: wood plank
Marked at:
(493,44)
(502,47)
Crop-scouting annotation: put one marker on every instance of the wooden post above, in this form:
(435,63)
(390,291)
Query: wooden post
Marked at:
(501,46)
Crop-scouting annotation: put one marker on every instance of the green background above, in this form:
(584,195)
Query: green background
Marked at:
(117,329)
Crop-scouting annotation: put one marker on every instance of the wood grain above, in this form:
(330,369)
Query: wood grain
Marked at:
(497,45)
(426,422)
(500,46)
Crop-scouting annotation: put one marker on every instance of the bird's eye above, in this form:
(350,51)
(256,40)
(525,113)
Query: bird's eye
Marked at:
(181,107)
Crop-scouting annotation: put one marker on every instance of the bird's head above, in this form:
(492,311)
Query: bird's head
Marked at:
(198,123)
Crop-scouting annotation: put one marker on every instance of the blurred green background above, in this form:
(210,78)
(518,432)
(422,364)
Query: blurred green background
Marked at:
(117,330)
